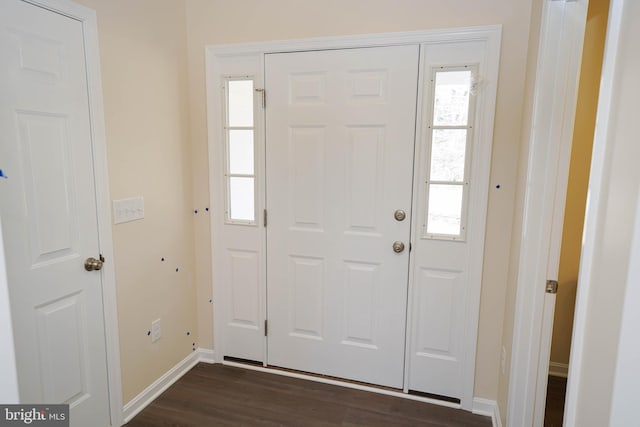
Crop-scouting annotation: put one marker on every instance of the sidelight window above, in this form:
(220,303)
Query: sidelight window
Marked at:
(450,136)
(239,148)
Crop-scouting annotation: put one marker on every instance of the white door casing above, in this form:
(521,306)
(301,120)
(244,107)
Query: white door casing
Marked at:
(553,115)
(50,116)
(240,60)
(340,140)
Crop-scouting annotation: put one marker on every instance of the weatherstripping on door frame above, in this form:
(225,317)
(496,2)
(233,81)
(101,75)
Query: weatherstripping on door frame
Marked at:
(218,60)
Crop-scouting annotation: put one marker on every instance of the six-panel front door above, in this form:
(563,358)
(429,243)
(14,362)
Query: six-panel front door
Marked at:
(48,209)
(340,144)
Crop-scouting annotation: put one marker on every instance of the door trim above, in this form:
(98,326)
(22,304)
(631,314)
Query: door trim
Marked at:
(214,57)
(550,138)
(99,148)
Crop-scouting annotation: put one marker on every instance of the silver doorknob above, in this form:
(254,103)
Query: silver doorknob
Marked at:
(399,215)
(92,264)
(398,247)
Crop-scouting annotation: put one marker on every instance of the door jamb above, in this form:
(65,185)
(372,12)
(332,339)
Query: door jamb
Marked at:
(490,34)
(89,22)
(554,104)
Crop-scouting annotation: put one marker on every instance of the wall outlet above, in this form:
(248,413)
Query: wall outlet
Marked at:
(156,330)
(503,360)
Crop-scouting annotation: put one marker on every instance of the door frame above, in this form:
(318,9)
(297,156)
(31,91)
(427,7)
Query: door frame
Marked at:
(549,148)
(99,149)
(215,56)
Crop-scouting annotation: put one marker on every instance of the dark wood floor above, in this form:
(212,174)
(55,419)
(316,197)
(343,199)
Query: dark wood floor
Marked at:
(217,395)
(554,411)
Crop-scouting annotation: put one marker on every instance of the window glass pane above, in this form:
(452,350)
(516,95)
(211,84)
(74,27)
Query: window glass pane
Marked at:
(445,209)
(451,105)
(241,152)
(240,103)
(241,200)
(447,154)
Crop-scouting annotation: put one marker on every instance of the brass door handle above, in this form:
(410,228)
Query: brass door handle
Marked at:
(398,247)
(92,264)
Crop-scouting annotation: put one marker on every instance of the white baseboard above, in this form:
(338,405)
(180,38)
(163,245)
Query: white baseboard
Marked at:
(488,408)
(206,355)
(558,369)
(149,394)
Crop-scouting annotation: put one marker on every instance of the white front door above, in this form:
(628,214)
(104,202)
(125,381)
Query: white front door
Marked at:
(48,210)
(340,142)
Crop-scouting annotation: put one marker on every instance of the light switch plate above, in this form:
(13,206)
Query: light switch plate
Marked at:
(125,210)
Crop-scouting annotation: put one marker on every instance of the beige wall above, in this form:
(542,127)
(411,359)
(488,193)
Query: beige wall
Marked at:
(144,78)
(219,22)
(589,86)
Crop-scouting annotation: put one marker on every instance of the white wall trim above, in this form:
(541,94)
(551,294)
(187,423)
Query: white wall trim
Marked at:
(363,40)
(488,408)
(9,393)
(155,389)
(96,113)
(558,369)
(491,35)
(206,356)
(555,96)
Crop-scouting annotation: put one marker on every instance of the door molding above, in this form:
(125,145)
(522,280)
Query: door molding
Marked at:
(216,56)
(99,148)
(554,104)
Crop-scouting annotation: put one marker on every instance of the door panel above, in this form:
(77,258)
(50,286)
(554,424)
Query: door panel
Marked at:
(48,210)
(340,141)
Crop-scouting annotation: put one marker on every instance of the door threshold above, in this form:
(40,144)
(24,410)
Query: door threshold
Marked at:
(388,391)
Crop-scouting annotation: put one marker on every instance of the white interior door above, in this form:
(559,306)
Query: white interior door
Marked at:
(48,210)
(340,143)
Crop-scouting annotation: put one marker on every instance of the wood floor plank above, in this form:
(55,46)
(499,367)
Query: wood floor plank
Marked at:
(554,410)
(217,395)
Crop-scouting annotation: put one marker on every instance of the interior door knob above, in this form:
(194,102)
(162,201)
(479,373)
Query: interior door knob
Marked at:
(92,264)
(398,247)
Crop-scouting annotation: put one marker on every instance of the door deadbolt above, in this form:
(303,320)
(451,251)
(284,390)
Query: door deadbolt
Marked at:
(399,215)
(398,247)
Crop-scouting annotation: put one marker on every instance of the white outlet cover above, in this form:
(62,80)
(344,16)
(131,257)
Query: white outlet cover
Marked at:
(126,210)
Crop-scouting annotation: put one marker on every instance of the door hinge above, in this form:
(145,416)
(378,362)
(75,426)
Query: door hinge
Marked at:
(264,97)
(265,327)
(264,217)
(551,287)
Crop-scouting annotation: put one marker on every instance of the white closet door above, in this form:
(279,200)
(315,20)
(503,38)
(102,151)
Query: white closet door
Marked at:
(340,142)
(48,209)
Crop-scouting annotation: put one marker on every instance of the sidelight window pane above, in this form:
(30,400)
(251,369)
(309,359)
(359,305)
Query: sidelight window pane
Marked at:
(448,154)
(240,103)
(451,104)
(241,152)
(241,199)
(445,209)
